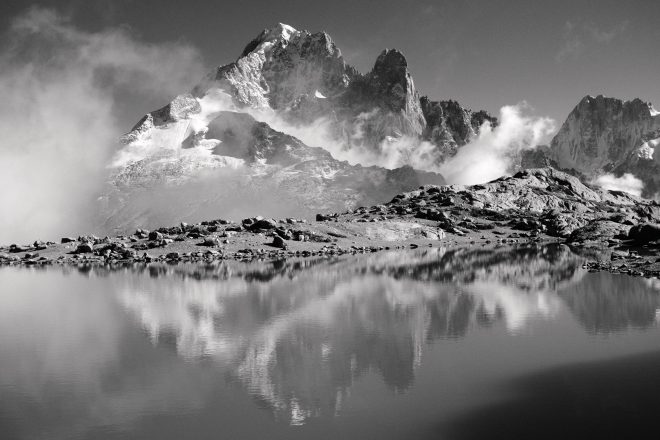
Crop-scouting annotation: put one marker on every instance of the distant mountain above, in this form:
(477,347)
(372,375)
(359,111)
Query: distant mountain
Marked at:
(246,168)
(606,135)
(204,153)
(304,77)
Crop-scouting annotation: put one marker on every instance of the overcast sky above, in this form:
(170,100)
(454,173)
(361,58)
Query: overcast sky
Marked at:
(483,53)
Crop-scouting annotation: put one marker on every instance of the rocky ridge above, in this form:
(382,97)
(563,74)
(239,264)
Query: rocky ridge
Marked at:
(537,205)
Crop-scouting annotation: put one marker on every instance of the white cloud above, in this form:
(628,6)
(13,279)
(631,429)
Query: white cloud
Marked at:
(59,115)
(627,183)
(487,157)
(493,152)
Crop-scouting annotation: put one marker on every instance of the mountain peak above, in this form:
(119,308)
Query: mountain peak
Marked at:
(634,106)
(268,37)
(391,59)
(281,31)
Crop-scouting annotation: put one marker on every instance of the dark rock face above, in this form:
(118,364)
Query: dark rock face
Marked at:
(450,126)
(393,82)
(645,233)
(539,157)
(601,132)
(606,135)
(383,103)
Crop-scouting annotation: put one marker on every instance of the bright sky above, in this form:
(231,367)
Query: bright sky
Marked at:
(483,53)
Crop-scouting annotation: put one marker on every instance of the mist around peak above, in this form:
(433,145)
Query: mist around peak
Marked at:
(61,89)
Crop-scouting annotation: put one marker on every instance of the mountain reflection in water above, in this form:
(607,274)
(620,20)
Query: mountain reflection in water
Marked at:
(302,338)
(297,337)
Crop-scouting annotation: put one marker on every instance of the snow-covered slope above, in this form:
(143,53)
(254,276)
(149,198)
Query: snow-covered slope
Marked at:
(192,160)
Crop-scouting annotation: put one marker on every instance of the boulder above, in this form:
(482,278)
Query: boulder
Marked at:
(645,233)
(155,236)
(84,248)
(14,248)
(39,245)
(259,223)
(279,242)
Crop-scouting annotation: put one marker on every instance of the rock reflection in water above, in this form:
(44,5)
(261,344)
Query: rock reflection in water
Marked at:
(603,303)
(297,339)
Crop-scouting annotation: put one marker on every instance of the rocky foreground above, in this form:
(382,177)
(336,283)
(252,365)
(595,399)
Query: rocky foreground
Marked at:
(536,205)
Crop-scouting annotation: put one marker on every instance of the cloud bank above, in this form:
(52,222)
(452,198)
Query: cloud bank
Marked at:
(493,153)
(489,156)
(59,115)
(627,183)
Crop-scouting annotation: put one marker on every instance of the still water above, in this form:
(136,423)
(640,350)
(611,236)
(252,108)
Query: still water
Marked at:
(455,344)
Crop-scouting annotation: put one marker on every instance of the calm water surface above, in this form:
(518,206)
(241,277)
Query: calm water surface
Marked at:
(455,344)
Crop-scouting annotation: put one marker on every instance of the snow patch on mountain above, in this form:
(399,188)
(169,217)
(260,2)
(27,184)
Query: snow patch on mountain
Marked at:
(166,140)
(281,34)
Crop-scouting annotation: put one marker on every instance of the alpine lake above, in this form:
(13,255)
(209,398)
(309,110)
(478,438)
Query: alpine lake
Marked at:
(471,343)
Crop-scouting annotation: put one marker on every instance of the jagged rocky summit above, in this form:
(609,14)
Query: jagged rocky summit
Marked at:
(305,77)
(606,135)
(240,136)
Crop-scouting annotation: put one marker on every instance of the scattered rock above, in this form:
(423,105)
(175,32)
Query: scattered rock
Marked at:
(155,236)
(256,224)
(84,248)
(14,248)
(279,242)
(210,241)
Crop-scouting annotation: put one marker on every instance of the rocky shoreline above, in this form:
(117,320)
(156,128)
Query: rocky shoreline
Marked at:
(255,238)
(537,206)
